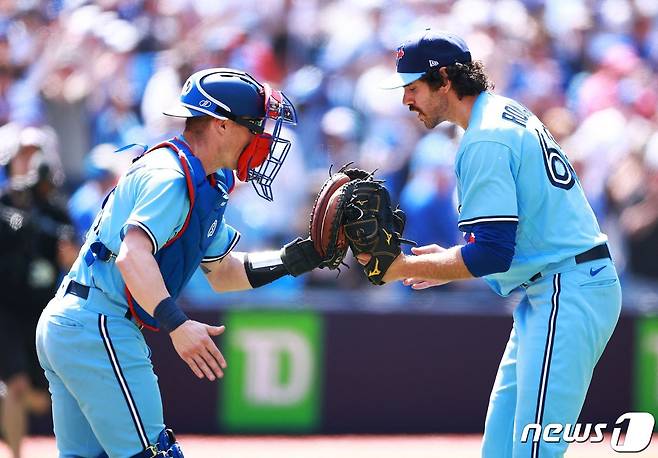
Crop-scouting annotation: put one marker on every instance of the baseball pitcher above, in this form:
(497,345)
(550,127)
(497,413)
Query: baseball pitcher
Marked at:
(527,224)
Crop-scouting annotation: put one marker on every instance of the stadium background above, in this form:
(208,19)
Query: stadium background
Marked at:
(327,354)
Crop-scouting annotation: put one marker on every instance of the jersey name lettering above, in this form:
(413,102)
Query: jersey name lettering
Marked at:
(517,114)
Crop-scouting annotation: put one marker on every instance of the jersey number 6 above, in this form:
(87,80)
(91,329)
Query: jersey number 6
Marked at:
(559,170)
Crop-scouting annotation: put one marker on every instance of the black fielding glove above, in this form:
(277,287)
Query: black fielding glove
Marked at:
(373,227)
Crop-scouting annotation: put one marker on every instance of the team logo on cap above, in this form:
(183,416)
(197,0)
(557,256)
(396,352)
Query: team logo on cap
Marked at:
(399,53)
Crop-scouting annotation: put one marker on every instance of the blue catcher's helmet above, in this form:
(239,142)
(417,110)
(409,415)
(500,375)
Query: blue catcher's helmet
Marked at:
(225,93)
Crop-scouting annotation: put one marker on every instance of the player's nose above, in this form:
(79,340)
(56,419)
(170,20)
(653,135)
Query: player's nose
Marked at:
(407,99)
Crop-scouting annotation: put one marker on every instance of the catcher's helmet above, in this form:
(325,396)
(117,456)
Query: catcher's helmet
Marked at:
(225,93)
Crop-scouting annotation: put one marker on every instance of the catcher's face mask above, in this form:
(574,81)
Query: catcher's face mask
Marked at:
(262,159)
(226,93)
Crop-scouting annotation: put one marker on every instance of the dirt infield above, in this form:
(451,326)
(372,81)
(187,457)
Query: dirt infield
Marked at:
(452,446)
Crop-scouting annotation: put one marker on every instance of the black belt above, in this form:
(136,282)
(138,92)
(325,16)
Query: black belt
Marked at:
(77,289)
(82,291)
(598,252)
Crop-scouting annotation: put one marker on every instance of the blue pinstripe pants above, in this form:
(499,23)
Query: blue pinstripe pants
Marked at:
(104,392)
(561,328)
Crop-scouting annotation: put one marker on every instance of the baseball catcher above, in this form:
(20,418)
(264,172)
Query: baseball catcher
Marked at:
(353,210)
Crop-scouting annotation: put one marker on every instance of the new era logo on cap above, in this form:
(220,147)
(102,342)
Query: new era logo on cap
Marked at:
(424,51)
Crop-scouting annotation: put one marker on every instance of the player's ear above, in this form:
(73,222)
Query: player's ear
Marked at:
(446,84)
(220,125)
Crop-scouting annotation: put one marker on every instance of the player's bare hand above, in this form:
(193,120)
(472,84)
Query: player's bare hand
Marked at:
(419,283)
(193,343)
(363,258)
(422,283)
(426,249)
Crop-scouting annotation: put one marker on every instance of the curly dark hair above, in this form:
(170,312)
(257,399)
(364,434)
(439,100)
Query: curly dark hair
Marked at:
(466,79)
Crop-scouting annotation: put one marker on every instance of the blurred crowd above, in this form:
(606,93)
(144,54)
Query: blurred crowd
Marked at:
(79,79)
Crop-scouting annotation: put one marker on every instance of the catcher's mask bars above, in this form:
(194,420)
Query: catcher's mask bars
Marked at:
(226,93)
(262,159)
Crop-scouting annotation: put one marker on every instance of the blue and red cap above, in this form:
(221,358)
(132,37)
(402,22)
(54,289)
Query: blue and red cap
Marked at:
(424,51)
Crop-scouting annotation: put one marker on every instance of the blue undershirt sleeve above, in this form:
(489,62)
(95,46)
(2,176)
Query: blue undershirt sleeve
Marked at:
(490,249)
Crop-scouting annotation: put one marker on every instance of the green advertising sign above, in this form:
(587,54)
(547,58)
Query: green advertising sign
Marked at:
(272,382)
(646,365)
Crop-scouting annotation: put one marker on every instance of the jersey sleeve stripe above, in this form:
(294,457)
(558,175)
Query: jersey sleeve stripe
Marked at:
(234,242)
(145,228)
(489,219)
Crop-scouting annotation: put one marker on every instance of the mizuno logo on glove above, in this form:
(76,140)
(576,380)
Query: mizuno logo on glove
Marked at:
(388,236)
(375,270)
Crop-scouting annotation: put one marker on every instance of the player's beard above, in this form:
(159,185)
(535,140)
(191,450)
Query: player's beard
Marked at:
(431,123)
(434,114)
(437,113)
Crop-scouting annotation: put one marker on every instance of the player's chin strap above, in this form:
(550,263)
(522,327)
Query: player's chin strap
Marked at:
(165,447)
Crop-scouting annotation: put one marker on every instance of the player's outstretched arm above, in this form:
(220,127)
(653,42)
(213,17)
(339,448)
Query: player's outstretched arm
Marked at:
(191,339)
(228,273)
(430,265)
(240,271)
(490,251)
(439,267)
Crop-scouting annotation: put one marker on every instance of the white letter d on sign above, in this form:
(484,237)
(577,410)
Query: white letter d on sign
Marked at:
(264,349)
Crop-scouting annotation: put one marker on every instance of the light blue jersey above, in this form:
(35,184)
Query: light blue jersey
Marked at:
(510,168)
(157,203)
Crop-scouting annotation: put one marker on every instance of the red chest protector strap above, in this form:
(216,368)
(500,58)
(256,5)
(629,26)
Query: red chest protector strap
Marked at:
(191,192)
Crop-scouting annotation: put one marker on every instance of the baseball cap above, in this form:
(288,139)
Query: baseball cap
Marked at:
(423,51)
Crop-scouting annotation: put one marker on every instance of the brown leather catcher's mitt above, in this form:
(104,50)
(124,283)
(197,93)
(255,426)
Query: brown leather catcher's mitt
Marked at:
(354,210)
(327,217)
